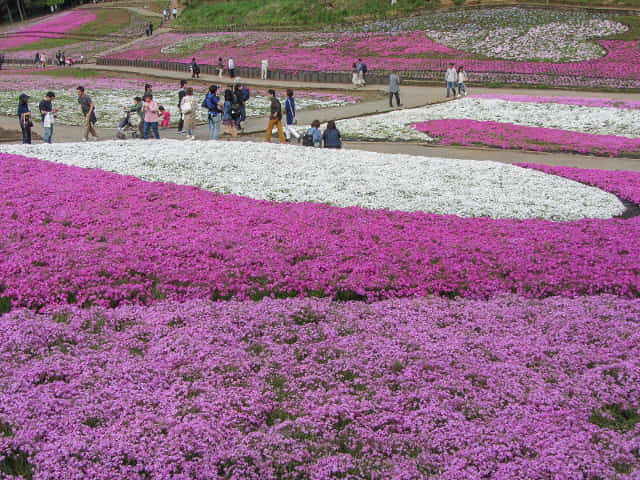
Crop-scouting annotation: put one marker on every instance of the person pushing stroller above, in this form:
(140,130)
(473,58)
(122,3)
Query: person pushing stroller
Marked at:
(126,123)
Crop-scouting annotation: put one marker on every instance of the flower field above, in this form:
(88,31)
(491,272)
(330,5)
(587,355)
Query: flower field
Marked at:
(111,95)
(532,47)
(554,124)
(157,330)
(51,27)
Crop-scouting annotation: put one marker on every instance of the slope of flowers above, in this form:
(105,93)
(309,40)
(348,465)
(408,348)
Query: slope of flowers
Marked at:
(570,116)
(342,178)
(66,241)
(507,135)
(309,389)
(51,27)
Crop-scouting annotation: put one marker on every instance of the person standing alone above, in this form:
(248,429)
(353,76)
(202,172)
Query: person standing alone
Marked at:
(24,115)
(47,111)
(394,88)
(88,111)
(232,68)
(181,94)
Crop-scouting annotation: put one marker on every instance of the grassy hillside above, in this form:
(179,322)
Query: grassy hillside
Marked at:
(205,14)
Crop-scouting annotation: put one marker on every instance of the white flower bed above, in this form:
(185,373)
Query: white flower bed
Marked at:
(396,125)
(341,177)
(110,103)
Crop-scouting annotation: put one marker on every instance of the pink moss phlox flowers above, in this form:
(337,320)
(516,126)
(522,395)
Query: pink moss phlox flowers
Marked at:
(509,388)
(508,135)
(130,241)
(51,27)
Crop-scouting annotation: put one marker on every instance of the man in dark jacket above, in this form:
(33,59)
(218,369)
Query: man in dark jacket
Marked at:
(275,119)
(181,94)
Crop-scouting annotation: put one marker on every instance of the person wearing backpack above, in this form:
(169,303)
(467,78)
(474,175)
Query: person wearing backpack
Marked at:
(189,111)
(195,68)
(313,137)
(181,94)
(290,110)
(227,117)
(237,107)
(275,119)
(213,105)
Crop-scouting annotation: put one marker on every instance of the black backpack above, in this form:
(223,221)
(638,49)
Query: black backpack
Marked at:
(307,140)
(364,68)
(235,106)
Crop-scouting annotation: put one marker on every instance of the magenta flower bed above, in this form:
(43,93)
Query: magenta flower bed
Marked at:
(508,135)
(625,185)
(581,101)
(51,27)
(132,241)
(308,389)
(410,51)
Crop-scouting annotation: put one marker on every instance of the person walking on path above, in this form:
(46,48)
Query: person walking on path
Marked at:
(214,116)
(181,94)
(394,88)
(188,108)
(232,68)
(331,136)
(275,119)
(150,109)
(451,77)
(89,113)
(195,68)
(362,71)
(229,122)
(462,77)
(220,67)
(264,66)
(175,13)
(47,111)
(290,110)
(355,78)
(24,116)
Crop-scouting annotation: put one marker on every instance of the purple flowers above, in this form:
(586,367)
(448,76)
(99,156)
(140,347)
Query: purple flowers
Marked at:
(131,241)
(508,135)
(301,388)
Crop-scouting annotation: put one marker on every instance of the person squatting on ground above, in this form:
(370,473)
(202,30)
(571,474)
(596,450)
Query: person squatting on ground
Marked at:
(331,136)
(24,117)
(451,77)
(313,137)
(188,108)
(230,125)
(214,115)
(181,94)
(48,114)
(150,109)
(462,77)
(275,118)
(290,110)
(89,113)
(166,117)
(394,88)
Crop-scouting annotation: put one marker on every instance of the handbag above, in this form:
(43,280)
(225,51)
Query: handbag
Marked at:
(186,108)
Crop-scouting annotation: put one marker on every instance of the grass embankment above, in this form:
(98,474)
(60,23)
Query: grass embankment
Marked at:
(205,14)
(107,21)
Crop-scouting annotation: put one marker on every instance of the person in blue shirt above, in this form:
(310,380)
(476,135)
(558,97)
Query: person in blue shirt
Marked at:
(24,116)
(215,114)
(290,110)
(315,133)
(331,136)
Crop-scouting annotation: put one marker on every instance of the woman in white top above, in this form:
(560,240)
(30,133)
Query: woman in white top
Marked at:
(188,109)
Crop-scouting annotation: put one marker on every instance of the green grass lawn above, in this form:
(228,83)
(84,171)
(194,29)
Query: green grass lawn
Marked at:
(108,20)
(203,14)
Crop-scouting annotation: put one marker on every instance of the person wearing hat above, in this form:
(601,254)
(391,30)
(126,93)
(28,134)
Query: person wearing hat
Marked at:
(47,111)
(24,115)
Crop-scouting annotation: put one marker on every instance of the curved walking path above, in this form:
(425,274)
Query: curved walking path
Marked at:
(376,102)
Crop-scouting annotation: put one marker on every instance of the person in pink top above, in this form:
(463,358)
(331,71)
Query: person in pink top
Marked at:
(151,110)
(166,117)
